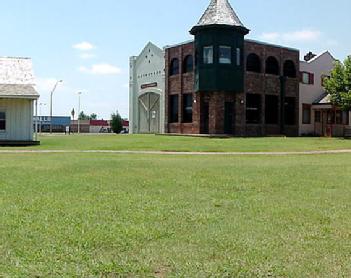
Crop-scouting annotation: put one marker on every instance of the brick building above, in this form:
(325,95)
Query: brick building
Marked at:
(222,83)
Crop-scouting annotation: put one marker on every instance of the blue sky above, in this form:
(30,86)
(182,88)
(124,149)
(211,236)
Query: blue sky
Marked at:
(87,43)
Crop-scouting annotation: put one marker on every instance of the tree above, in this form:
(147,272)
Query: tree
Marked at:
(82,116)
(93,116)
(339,84)
(116,123)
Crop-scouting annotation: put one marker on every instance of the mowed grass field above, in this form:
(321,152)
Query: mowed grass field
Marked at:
(188,144)
(108,215)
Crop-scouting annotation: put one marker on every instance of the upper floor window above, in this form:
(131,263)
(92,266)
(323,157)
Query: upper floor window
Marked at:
(307,78)
(289,69)
(238,57)
(225,54)
(272,65)
(188,64)
(2,121)
(253,63)
(174,67)
(208,55)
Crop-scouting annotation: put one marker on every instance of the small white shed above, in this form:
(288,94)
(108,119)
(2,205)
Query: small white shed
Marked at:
(17,98)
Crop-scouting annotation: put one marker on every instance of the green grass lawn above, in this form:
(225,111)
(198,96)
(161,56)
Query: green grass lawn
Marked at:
(175,143)
(105,215)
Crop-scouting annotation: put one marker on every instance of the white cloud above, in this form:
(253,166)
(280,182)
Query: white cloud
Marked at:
(101,69)
(87,56)
(306,35)
(270,36)
(302,36)
(84,46)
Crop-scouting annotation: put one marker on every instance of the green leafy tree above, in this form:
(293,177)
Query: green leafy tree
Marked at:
(116,123)
(82,116)
(93,116)
(339,84)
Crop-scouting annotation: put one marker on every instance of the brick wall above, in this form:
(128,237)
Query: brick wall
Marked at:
(180,84)
(257,83)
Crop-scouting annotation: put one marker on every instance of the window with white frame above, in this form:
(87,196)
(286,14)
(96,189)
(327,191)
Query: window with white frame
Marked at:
(225,54)
(2,121)
(208,55)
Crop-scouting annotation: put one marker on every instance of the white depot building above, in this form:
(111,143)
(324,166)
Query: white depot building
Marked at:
(147,91)
(17,97)
(317,115)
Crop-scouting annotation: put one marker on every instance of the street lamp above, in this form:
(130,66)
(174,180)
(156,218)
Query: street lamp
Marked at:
(52,92)
(79,94)
(41,116)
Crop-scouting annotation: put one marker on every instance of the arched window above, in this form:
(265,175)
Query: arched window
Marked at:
(289,69)
(174,67)
(253,63)
(188,64)
(272,66)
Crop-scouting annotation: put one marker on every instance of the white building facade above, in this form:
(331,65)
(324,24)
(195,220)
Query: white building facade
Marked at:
(17,99)
(147,91)
(318,116)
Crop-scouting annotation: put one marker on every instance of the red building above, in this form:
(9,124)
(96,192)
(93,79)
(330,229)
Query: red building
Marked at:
(222,83)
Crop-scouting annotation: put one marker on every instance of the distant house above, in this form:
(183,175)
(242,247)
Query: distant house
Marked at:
(317,114)
(17,97)
(99,126)
(125,126)
(84,126)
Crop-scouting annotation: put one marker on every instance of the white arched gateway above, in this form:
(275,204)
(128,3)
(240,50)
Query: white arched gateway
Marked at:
(146,93)
(149,113)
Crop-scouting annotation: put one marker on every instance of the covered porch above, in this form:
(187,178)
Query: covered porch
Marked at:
(329,120)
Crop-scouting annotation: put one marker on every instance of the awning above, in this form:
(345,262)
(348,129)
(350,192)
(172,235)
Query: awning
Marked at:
(323,102)
(18,91)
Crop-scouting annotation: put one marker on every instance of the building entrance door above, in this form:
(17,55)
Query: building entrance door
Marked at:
(228,117)
(326,127)
(149,113)
(205,118)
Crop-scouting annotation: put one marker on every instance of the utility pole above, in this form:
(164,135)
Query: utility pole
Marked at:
(41,116)
(52,92)
(79,94)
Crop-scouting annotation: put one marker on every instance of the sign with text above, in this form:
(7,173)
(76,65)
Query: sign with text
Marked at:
(150,85)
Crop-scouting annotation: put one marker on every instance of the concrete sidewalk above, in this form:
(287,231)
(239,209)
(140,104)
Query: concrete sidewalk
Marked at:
(176,153)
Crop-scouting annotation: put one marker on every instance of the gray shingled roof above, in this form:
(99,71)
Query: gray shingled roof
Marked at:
(18,91)
(323,99)
(220,12)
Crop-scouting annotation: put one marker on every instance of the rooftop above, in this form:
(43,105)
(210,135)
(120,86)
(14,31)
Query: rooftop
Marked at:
(246,40)
(18,91)
(220,12)
(16,70)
